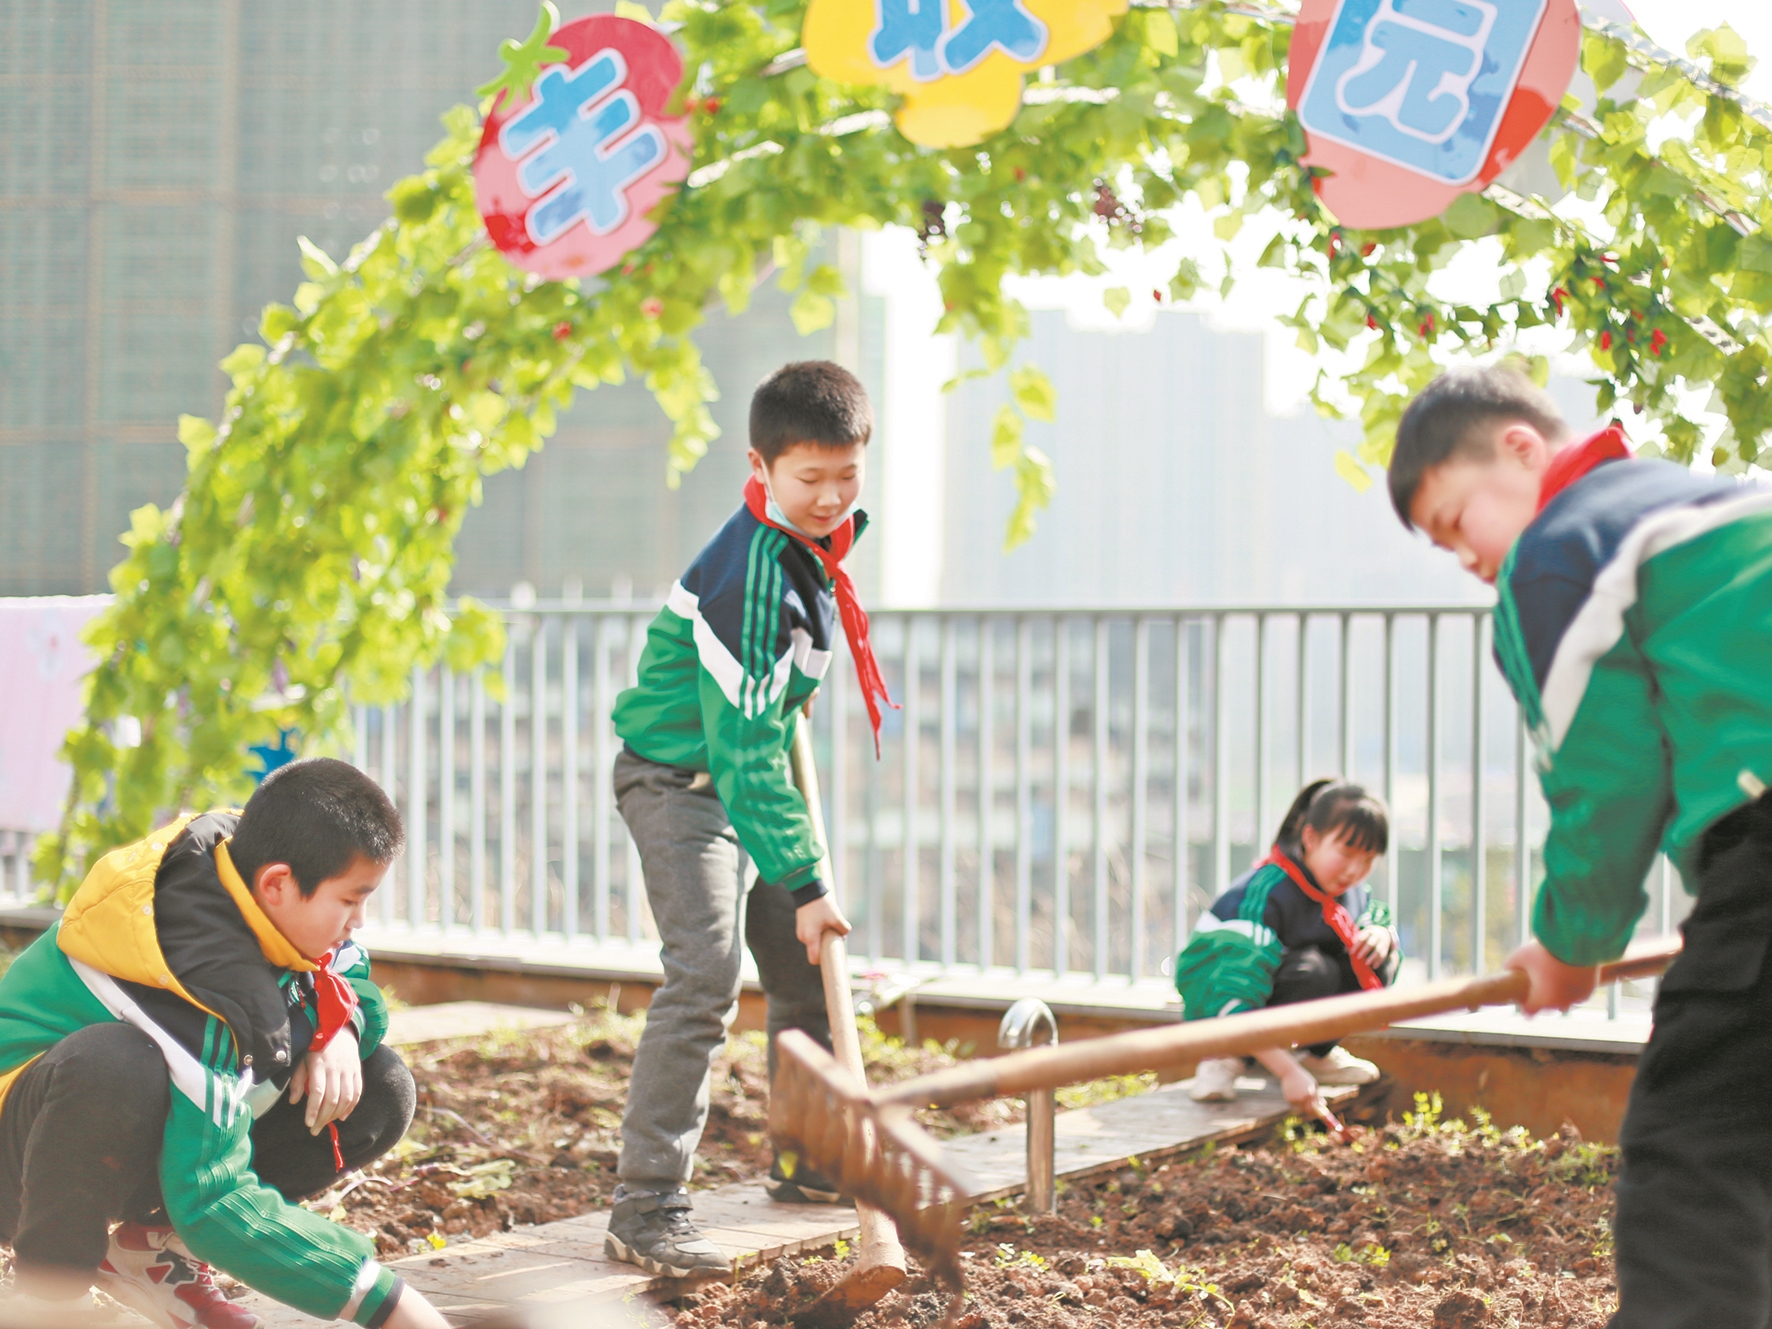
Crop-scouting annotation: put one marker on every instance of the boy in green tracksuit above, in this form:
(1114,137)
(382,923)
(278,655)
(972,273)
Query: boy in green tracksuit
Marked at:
(729,663)
(193,1047)
(1634,624)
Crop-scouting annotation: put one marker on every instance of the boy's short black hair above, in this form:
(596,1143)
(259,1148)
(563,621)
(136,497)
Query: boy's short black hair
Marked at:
(318,816)
(809,401)
(1444,422)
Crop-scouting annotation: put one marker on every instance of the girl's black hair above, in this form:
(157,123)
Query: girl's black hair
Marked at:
(1330,806)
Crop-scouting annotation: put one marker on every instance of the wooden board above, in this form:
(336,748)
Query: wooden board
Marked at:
(556,1264)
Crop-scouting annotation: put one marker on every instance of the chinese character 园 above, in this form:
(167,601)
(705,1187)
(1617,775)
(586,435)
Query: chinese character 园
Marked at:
(1418,63)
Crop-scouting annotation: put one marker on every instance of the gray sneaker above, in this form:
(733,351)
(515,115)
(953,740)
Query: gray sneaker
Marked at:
(655,1232)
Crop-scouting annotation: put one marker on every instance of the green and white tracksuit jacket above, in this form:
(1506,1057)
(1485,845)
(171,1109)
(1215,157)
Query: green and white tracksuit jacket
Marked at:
(164,935)
(1635,627)
(1229,963)
(742,642)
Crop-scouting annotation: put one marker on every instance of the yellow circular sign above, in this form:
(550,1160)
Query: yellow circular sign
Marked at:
(958,63)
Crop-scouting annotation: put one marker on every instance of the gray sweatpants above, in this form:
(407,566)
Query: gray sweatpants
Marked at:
(690,856)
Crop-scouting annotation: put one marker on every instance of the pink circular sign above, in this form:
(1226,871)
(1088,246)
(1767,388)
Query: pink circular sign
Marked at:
(1409,105)
(566,180)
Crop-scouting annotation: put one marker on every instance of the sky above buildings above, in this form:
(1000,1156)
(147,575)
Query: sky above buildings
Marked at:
(909,492)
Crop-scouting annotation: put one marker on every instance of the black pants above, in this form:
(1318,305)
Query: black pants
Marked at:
(80,1142)
(1694,1224)
(1309,972)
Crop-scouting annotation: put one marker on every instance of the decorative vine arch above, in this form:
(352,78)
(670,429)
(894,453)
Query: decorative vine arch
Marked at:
(309,557)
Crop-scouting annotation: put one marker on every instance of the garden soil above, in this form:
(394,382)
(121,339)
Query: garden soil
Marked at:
(524,1127)
(1422,1225)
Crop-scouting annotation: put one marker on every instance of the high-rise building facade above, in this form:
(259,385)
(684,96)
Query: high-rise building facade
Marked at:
(158,159)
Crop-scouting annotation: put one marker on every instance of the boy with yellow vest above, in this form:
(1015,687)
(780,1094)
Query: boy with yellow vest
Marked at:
(195,1046)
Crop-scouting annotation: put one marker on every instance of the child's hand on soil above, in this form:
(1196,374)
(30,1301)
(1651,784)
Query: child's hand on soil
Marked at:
(1374,946)
(815,918)
(1302,1094)
(332,1079)
(1554,985)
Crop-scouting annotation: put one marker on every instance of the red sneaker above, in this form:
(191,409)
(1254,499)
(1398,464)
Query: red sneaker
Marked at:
(150,1270)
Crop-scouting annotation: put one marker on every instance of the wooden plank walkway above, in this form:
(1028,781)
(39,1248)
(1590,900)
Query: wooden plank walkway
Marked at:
(562,1264)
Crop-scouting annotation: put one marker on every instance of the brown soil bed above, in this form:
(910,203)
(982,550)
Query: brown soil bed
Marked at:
(524,1128)
(1421,1224)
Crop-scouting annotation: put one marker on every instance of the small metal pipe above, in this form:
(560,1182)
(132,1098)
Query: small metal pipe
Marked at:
(1021,1027)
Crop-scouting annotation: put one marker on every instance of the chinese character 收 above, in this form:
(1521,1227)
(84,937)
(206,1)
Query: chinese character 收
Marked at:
(918,28)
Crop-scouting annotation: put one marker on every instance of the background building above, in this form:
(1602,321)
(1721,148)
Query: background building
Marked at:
(158,159)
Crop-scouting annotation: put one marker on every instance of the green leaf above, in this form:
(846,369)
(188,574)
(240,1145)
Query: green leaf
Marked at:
(1754,253)
(1160,34)
(1471,216)
(1350,470)
(413,199)
(812,311)
(1725,50)
(1035,485)
(1034,393)
(1116,298)
(197,434)
(314,260)
(1603,58)
(1186,282)
(1006,438)
(242,360)
(524,59)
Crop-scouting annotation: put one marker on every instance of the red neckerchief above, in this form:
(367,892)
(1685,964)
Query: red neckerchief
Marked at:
(336,1001)
(1571,464)
(1333,914)
(855,618)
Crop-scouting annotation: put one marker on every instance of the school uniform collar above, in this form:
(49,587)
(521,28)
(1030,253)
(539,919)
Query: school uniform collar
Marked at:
(1571,464)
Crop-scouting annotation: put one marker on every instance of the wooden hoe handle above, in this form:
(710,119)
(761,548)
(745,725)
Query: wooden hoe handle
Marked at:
(1308,1022)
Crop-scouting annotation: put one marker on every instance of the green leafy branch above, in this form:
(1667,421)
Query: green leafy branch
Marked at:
(307,564)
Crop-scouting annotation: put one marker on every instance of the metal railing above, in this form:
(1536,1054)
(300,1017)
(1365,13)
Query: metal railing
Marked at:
(1062,792)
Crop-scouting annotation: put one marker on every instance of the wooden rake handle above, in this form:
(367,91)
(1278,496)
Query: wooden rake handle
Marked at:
(879,1239)
(1304,1023)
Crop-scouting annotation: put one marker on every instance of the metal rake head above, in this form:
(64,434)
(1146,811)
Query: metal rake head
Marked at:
(874,1152)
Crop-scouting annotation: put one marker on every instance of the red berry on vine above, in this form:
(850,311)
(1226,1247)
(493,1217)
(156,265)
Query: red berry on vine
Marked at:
(562,331)
(1658,343)
(1600,283)
(1371,323)
(1605,341)
(1367,250)
(1557,297)
(1020,174)
(1157,294)
(652,306)
(711,106)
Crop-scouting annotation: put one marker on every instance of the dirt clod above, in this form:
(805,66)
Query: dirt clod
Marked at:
(1461,1310)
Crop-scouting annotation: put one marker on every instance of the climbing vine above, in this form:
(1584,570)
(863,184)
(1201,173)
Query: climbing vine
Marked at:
(307,564)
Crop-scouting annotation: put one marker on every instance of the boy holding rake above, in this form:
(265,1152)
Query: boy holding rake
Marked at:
(730,662)
(1634,624)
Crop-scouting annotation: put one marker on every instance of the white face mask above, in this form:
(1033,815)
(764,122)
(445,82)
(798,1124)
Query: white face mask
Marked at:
(773,511)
